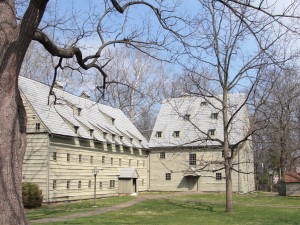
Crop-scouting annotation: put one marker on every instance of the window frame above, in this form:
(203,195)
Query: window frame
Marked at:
(218,176)
(176,134)
(168,176)
(192,159)
(162,155)
(158,134)
(112,184)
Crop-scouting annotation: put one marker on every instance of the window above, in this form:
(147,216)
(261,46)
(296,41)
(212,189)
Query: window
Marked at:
(54,156)
(78,111)
(214,116)
(203,103)
(103,159)
(68,157)
(79,184)
(33,117)
(162,155)
(192,159)
(112,184)
(113,136)
(76,129)
(144,163)
(100,185)
(68,184)
(187,117)
(91,159)
(90,184)
(158,134)
(80,158)
(218,176)
(113,121)
(168,176)
(211,132)
(54,184)
(176,133)
(111,161)
(91,132)
(120,162)
(129,162)
(37,126)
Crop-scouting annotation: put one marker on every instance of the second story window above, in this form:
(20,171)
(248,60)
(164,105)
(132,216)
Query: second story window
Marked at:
(91,159)
(211,132)
(68,157)
(214,116)
(80,158)
(103,159)
(162,155)
(187,117)
(54,156)
(192,159)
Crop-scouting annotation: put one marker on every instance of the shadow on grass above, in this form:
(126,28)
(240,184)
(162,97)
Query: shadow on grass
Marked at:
(203,206)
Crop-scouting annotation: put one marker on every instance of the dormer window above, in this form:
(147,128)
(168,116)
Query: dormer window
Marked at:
(113,137)
(104,135)
(131,139)
(203,103)
(176,133)
(187,117)
(158,134)
(121,138)
(214,116)
(113,121)
(76,129)
(212,132)
(78,111)
(91,132)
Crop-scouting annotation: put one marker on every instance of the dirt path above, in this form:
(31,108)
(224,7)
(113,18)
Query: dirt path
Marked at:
(138,199)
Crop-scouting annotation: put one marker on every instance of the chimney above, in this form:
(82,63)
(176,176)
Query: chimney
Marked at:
(59,85)
(85,94)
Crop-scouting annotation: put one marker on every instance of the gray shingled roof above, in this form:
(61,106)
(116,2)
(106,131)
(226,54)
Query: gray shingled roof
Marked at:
(60,118)
(128,172)
(194,132)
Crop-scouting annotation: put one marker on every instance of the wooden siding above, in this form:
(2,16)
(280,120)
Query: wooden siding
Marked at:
(176,163)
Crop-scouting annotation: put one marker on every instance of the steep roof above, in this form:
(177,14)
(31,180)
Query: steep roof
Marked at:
(192,118)
(292,177)
(62,117)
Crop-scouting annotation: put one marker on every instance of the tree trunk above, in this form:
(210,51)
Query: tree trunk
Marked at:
(14,41)
(229,200)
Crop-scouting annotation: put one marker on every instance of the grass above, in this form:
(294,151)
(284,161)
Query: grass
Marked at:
(61,209)
(203,209)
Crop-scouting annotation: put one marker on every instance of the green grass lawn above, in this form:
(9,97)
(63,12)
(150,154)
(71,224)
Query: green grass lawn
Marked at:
(55,210)
(204,209)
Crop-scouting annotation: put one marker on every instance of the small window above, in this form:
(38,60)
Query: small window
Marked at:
(68,184)
(91,132)
(162,155)
(192,159)
(113,137)
(211,132)
(120,162)
(176,133)
(113,121)
(144,163)
(54,156)
(76,128)
(68,157)
(158,134)
(129,162)
(54,184)
(218,176)
(187,117)
(203,103)
(214,116)
(131,140)
(168,176)
(90,184)
(78,111)
(111,161)
(91,159)
(33,117)
(80,158)
(137,163)
(37,126)
(103,159)
(100,185)
(79,184)
(112,184)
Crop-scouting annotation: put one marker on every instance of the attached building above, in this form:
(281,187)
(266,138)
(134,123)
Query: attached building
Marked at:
(183,157)
(68,137)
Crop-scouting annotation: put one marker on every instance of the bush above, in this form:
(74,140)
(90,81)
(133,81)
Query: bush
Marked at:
(32,195)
